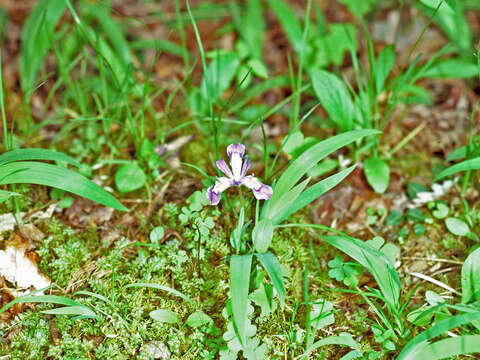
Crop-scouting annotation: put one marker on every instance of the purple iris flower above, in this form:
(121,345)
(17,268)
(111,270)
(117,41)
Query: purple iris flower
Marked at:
(236,175)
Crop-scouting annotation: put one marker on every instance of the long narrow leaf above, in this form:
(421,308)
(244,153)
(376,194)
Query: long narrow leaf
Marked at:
(36,154)
(312,156)
(445,348)
(471,277)
(436,330)
(472,164)
(36,39)
(160,287)
(289,22)
(281,204)
(240,267)
(30,172)
(375,261)
(343,340)
(313,193)
(51,299)
(78,310)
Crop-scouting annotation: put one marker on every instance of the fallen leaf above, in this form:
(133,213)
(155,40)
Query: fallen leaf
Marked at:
(17,268)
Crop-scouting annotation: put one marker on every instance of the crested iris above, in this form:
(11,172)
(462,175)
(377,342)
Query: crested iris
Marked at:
(235,175)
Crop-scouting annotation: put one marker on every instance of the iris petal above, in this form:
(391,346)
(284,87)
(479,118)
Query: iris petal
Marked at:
(245,166)
(214,191)
(260,190)
(238,148)
(223,167)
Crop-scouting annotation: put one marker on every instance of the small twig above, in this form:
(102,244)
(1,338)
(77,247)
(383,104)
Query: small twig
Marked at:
(406,139)
(33,211)
(432,259)
(434,281)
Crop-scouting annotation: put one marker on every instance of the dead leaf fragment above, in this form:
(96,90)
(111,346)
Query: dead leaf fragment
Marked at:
(20,270)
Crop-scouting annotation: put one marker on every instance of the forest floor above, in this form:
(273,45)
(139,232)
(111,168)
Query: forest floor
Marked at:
(156,278)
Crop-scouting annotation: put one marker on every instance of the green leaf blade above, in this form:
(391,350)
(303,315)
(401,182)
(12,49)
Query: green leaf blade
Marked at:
(240,268)
(30,172)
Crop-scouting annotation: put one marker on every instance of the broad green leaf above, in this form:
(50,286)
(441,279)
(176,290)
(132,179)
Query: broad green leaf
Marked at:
(30,172)
(240,268)
(471,277)
(457,226)
(36,154)
(472,164)
(389,249)
(414,346)
(416,215)
(289,22)
(274,270)
(77,310)
(377,173)
(164,316)
(452,68)
(321,314)
(160,287)
(374,261)
(257,89)
(263,297)
(197,319)
(312,193)
(385,62)
(293,142)
(36,39)
(220,73)
(129,177)
(394,218)
(332,47)
(334,97)
(262,235)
